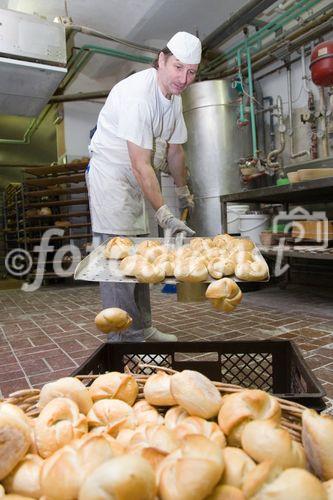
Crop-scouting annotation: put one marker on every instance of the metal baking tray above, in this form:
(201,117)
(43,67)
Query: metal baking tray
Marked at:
(95,267)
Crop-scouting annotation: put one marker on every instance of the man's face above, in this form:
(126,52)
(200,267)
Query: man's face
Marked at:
(174,76)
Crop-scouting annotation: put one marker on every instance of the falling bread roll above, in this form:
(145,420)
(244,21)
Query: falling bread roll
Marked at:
(127,477)
(112,319)
(224,294)
(66,387)
(118,248)
(157,390)
(317,438)
(264,440)
(15,437)
(239,408)
(269,482)
(196,393)
(252,271)
(59,422)
(115,385)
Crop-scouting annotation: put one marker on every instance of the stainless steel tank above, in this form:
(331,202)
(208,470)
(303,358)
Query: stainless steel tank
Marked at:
(215,144)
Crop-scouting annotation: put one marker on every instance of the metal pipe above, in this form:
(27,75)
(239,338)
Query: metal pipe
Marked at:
(271,121)
(252,114)
(241,105)
(323,114)
(34,124)
(293,155)
(304,75)
(276,152)
(313,29)
(89,31)
(292,13)
(81,96)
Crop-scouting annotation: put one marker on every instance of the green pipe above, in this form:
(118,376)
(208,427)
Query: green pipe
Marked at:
(84,54)
(33,125)
(292,13)
(241,106)
(252,114)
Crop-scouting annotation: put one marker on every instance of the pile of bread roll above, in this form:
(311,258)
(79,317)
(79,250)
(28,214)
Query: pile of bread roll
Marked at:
(200,260)
(102,442)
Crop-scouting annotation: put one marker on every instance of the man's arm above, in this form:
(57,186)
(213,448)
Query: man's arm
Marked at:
(176,164)
(144,174)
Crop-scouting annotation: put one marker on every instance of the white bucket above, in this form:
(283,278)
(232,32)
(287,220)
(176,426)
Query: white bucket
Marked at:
(251,225)
(233,214)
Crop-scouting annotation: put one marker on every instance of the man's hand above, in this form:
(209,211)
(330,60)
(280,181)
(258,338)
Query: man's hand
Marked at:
(168,221)
(185,198)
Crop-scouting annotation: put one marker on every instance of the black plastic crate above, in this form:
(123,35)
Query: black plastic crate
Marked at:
(275,366)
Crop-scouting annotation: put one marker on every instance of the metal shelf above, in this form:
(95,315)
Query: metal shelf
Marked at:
(61,179)
(62,215)
(64,203)
(56,169)
(55,192)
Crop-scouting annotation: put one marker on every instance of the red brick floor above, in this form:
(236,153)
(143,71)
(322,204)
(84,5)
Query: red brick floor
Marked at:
(46,334)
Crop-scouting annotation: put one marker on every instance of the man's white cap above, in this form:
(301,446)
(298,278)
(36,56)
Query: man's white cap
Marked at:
(185,47)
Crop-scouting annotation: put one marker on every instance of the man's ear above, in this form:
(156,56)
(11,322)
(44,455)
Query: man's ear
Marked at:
(161,59)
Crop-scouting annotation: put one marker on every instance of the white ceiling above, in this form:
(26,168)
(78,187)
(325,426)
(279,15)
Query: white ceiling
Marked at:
(150,22)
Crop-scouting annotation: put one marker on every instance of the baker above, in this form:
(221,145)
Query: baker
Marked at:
(141,119)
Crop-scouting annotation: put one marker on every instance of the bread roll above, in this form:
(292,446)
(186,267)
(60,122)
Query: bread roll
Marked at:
(24,479)
(124,436)
(154,436)
(166,262)
(45,211)
(112,319)
(224,294)
(192,471)
(198,425)
(147,272)
(243,244)
(128,265)
(270,482)
(252,271)
(157,390)
(144,245)
(183,252)
(223,240)
(15,437)
(66,387)
(152,253)
(317,438)
(239,408)
(64,472)
(127,477)
(174,416)
(115,385)
(118,248)
(144,413)
(201,244)
(214,252)
(219,267)
(264,440)
(58,423)
(112,415)
(241,257)
(226,492)
(196,393)
(192,270)
(237,464)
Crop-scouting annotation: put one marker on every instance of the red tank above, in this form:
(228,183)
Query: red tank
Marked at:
(322,64)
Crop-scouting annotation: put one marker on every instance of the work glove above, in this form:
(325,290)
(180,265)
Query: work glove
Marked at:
(167,220)
(186,199)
